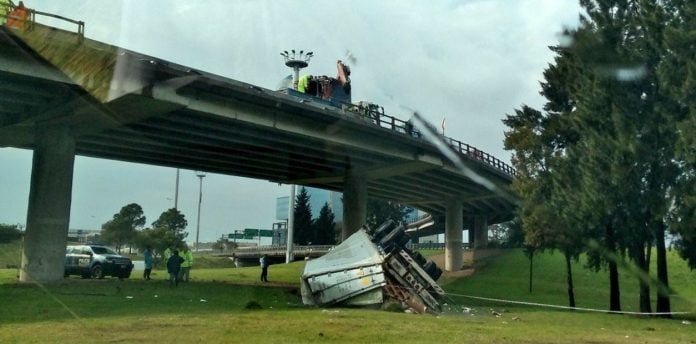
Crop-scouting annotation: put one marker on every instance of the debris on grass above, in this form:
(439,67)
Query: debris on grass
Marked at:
(252,305)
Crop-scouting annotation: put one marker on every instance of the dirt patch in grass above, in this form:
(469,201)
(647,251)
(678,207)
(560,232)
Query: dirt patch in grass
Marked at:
(471,260)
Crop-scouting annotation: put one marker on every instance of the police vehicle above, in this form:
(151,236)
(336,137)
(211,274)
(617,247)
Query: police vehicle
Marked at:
(96,261)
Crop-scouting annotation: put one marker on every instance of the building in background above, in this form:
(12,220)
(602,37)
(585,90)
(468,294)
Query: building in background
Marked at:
(317,199)
(83,235)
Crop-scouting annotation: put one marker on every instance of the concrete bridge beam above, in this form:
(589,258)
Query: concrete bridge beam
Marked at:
(354,203)
(48,215)
(453,236)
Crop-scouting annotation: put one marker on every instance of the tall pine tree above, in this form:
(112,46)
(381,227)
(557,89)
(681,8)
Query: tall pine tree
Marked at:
(303,229)
(325,227)
(615,139)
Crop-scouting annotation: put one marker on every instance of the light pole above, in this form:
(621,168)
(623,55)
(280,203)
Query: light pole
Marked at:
(176,191)
(296,62)
(289,254)
(200,176)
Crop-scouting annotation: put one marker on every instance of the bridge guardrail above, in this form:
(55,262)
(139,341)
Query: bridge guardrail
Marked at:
(375,114)
(378,117)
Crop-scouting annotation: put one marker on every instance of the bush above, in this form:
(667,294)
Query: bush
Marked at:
(9,233)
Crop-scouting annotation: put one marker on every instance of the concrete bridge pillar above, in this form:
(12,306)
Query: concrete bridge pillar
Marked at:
(470,232)
(479,228)
(354,203)
(48,214)
(453,235)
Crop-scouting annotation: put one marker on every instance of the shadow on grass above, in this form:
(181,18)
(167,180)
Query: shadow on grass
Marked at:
(85,299)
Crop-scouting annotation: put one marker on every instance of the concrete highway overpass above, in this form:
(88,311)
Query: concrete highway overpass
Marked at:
(62,95)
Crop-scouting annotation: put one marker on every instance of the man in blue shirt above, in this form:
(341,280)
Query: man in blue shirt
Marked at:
(264,268)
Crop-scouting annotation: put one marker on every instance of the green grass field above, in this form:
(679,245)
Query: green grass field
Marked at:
(213,307)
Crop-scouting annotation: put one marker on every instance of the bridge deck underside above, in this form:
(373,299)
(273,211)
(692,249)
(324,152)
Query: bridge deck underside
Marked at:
(224,126)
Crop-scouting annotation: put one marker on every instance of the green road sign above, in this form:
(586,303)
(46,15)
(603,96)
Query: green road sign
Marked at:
(250,233)
(235,236)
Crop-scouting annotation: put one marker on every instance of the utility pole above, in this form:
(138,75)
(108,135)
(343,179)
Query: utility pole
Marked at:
(200,176)
(289,254)
(176,191)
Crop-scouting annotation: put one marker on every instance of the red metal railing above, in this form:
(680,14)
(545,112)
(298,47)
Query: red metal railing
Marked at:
(29,21)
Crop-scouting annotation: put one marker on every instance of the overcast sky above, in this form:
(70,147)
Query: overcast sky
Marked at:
(468,62)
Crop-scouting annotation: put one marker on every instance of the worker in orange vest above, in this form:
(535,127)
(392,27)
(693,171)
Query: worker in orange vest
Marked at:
(17,18)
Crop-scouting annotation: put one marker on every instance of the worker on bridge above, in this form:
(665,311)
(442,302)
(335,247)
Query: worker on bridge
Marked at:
(303,83)
(18,16)
(343,76)
(334,89)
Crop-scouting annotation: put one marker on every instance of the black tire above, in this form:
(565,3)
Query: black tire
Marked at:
(97,272)
(393,236)
(418,257)
(432,270)
(382,230)
(436,274)
(403,240)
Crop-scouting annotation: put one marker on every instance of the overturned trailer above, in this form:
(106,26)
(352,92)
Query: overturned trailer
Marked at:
(370,267)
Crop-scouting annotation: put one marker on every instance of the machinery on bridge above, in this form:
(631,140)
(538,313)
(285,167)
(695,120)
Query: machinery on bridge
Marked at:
(323,90)
(371,267)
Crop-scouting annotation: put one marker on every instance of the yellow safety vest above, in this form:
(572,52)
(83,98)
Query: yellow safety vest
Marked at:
(188,259)
(303,83)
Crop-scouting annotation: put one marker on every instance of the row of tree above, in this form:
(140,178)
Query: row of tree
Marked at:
(127,228)
(608,166)
(9,233)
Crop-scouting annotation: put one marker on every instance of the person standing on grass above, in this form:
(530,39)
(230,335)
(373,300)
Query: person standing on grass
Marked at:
(187,264)
(166,254)
(264,268)
(147,256)
(173,267)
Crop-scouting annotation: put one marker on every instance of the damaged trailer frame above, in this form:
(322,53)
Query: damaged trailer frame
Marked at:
(370,267)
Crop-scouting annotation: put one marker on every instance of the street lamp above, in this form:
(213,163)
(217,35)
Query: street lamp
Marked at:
(176,191)
(200,176)
(296,62)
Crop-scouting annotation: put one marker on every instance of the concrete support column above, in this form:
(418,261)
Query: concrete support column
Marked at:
(48,214)
(480,229)
(289,249)
(354,203)
(470,232)
(453,236)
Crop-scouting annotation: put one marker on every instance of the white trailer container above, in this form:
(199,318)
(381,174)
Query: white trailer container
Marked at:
(368,268)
